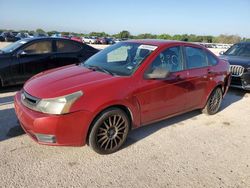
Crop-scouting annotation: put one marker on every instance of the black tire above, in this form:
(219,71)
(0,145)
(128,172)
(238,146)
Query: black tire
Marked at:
(213,102)
(109,131)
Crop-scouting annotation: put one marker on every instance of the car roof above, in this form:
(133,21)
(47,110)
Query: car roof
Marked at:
(48,38)
(160,42)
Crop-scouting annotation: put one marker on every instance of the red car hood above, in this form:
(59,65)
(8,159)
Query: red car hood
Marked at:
(63,81)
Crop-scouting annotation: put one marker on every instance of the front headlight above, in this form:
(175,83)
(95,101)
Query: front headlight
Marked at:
(59,105)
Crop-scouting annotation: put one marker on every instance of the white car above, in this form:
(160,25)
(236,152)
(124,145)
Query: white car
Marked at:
(89,40)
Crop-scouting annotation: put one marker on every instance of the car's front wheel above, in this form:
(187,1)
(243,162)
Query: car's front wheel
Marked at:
(213,102)
(109,131)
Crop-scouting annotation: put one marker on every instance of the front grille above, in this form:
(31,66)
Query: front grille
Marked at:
(28,100)
(237,70)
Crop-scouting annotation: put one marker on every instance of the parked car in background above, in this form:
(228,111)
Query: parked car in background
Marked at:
(117,40)
(110,40)
(66,36)
(98,40)
(40,35)
(8,37)
(105,40)
(239,58)
(75,38)
(89,40)
(124,86)
(21,60)
(20,36)
(56,35)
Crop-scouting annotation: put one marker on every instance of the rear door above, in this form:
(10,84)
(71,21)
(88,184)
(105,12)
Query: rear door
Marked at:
(198,79)
(34,58)
(66,52)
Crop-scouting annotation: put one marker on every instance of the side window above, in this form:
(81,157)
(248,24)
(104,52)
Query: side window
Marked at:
(195,57)
(211,59)
(170,59)
(67,46)
(41,47)
(120,54)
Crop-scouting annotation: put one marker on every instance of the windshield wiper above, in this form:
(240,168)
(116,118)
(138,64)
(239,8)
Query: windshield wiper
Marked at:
(97,68)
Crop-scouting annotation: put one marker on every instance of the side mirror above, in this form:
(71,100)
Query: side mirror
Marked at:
(158,73)
(221,52)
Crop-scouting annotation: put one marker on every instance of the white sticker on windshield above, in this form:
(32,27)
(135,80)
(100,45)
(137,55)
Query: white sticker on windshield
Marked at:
(148,47)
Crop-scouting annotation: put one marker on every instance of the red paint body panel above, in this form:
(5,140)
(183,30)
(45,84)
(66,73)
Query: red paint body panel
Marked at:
(146,100)
(70,129)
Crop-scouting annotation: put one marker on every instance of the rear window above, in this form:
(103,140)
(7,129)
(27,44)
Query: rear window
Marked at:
(67,46)
(195,57)
(211,59)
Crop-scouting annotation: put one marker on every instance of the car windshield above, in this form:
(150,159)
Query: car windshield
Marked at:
(13,46)
(120,59)
(239,50)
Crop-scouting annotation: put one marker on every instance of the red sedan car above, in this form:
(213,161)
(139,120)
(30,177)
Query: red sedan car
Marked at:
(78,39)
(125,86)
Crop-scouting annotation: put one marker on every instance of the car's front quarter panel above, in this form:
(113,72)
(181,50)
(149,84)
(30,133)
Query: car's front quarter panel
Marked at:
(115,92)
(240,70)
(39,123)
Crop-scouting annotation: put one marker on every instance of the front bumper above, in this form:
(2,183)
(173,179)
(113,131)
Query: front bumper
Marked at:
(242,81)
(65,130)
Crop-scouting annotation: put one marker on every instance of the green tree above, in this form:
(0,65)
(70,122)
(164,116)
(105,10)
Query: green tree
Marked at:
(52,32)
(98,34)
(124,34)
(229,39)
(41,31)
(164,36)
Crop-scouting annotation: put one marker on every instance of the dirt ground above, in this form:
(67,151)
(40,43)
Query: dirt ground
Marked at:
(190,150)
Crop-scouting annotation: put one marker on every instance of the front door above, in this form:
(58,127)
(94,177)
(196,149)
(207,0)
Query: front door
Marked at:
(161,98)
(35,58)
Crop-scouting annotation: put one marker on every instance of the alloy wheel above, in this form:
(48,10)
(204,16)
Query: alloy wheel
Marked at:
(214,101)
(111,132)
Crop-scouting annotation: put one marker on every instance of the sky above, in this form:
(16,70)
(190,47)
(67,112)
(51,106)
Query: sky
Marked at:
(200,17)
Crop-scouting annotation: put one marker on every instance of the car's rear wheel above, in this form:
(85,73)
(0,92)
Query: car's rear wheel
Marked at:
(109,131)
(213,102)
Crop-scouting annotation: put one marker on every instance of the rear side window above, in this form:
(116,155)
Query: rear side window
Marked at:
(40,47)
(195,57)
(67,46)
(211,59)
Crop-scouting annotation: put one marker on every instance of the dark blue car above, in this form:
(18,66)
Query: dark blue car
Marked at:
(239,58)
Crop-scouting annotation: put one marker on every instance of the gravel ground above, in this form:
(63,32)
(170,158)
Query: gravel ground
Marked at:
(190,150)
